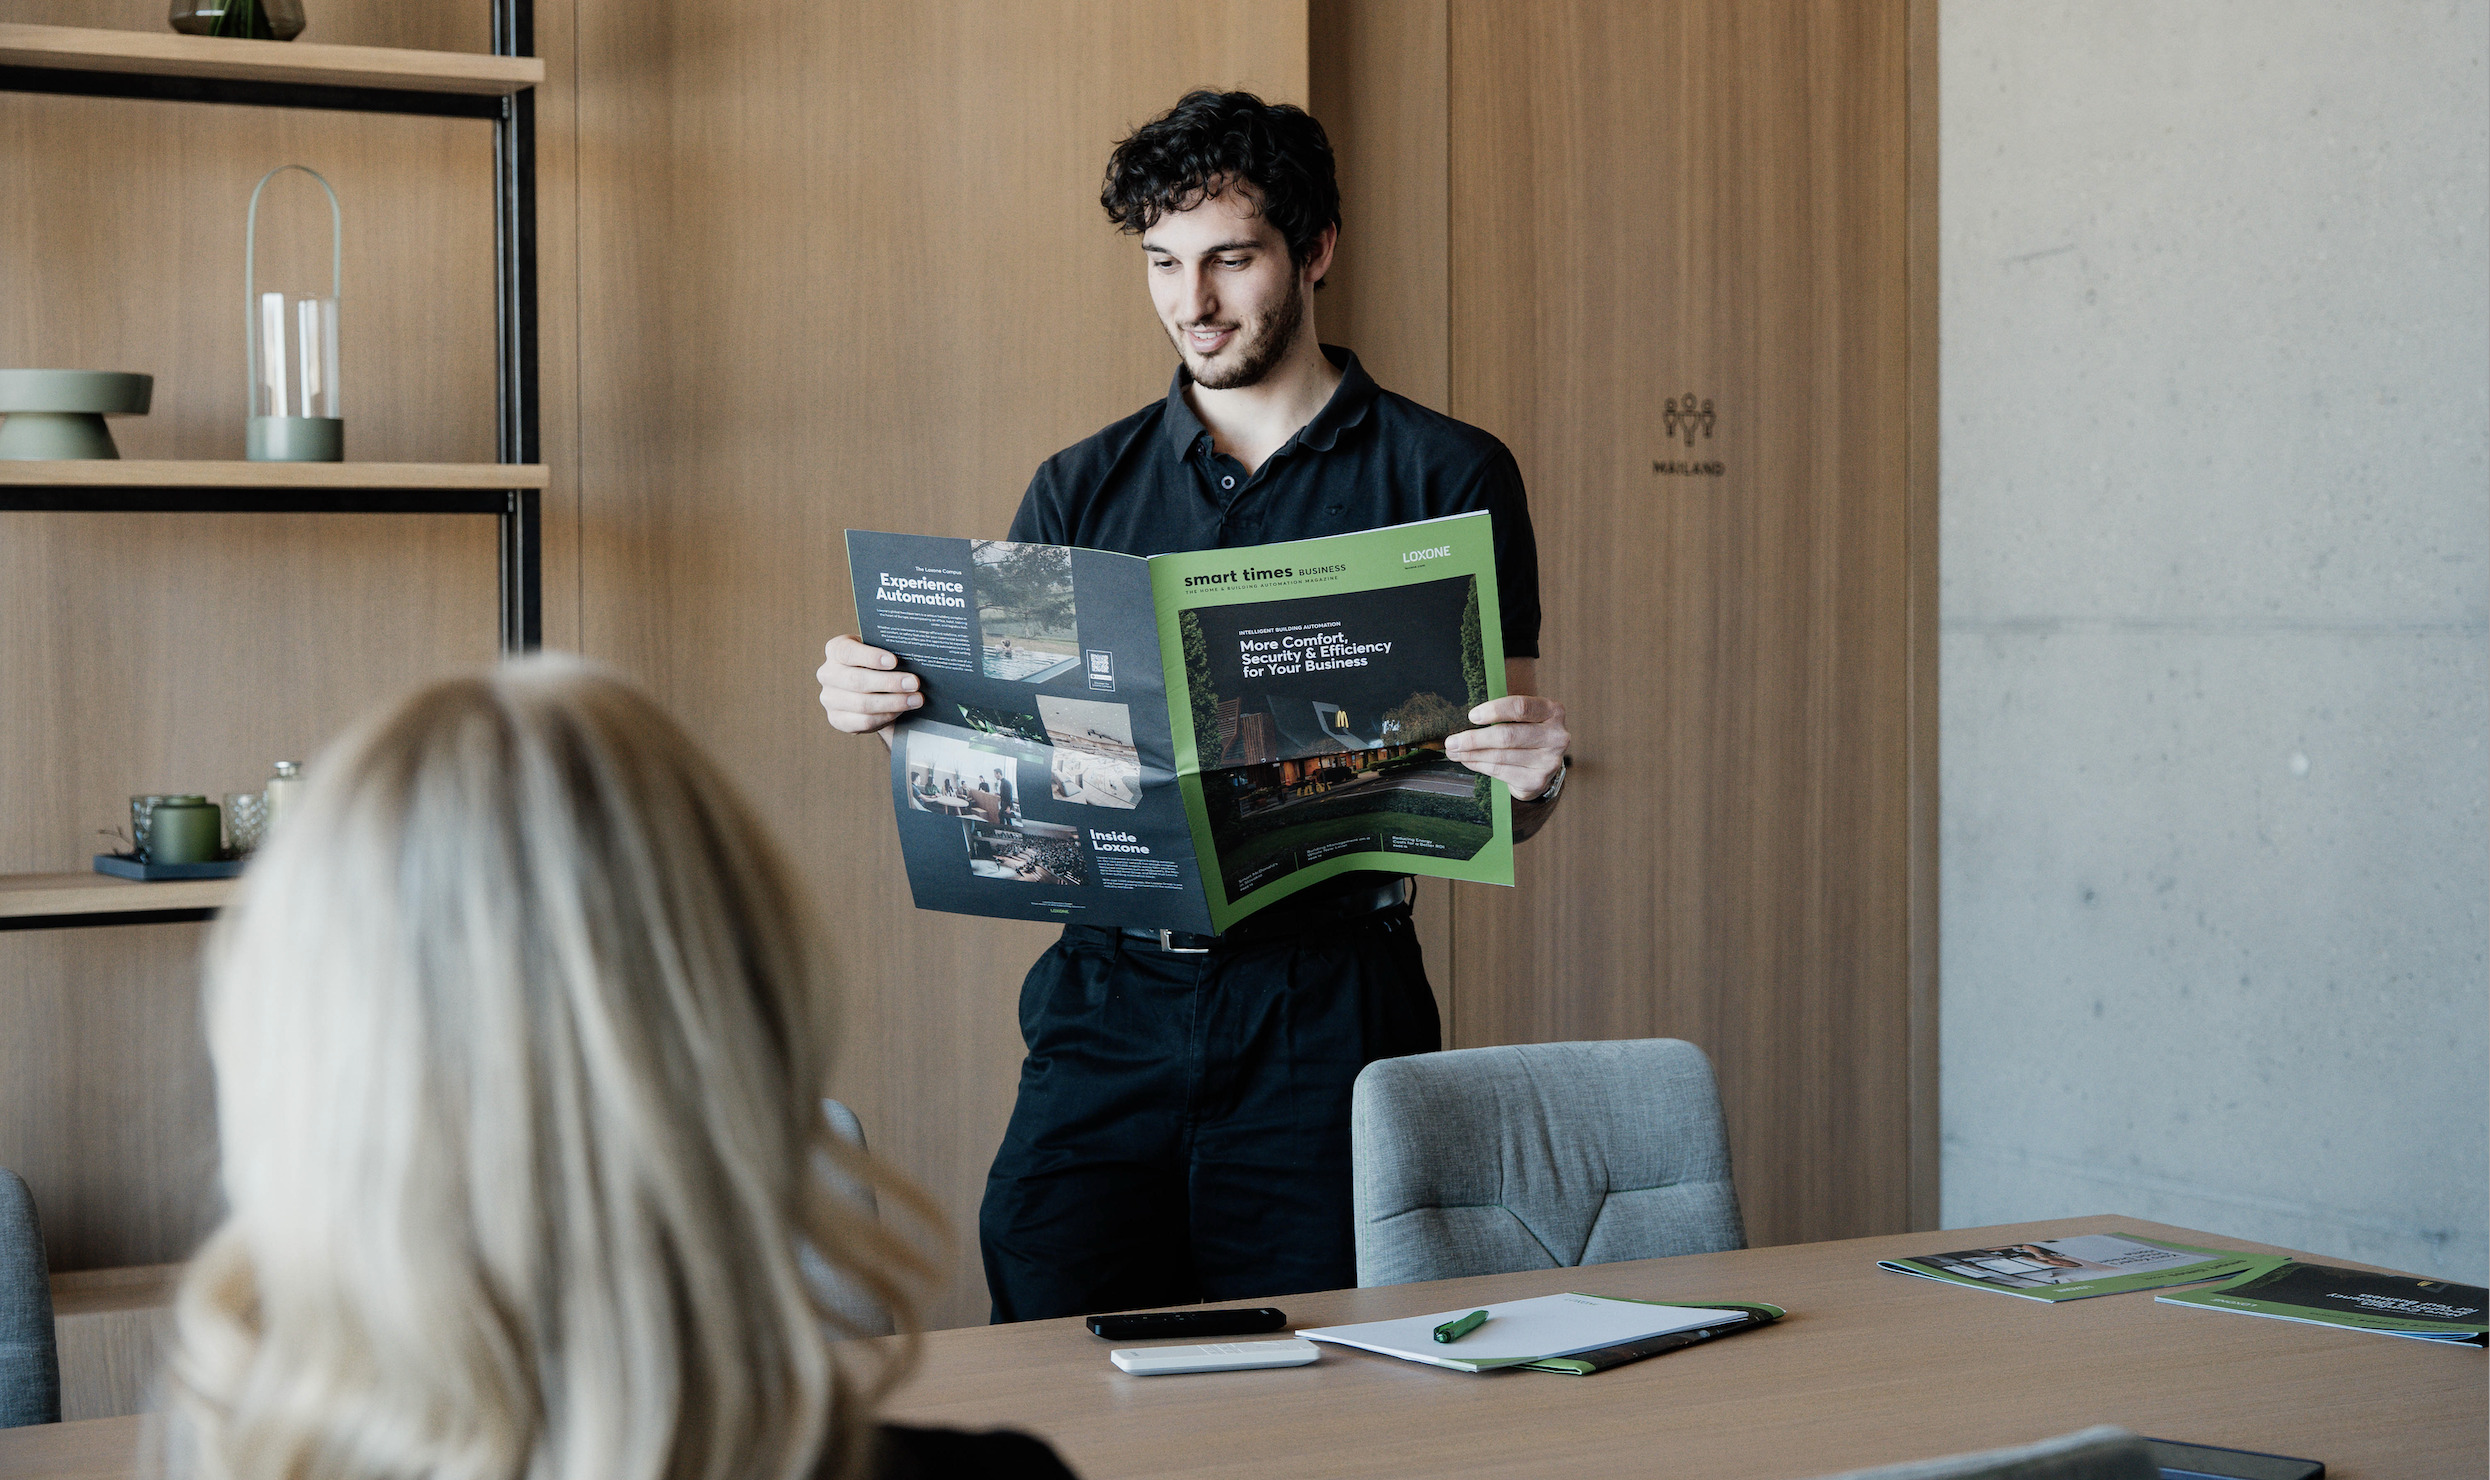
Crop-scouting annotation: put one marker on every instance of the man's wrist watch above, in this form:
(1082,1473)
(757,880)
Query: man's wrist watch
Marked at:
(1548,797)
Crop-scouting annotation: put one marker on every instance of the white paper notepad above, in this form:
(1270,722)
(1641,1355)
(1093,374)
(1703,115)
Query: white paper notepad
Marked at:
(1519,1331)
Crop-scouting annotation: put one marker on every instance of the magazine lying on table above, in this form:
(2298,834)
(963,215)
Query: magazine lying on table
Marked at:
(1174,743)
(2078,1268)
(2355,1299)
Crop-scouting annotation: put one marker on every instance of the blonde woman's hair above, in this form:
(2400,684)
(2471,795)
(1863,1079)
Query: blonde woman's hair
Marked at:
(520,1039)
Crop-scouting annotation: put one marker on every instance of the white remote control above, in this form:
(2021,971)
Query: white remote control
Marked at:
(1226,1356)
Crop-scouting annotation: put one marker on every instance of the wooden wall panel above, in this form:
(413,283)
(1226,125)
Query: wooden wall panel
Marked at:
(1651,203)
(1377,80)
(557,310)
(105,1102)
(843,265)
(1380,91)
(187,652)
(112,1327)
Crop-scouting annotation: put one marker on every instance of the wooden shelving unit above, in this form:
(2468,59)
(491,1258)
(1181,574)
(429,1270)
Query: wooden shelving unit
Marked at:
(44,901)
(167,66)
(168,54)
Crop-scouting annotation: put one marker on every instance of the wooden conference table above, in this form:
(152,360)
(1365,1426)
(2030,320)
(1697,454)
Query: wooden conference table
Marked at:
(1869,1368)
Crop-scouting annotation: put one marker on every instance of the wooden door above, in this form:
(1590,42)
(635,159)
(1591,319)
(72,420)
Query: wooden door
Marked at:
(1681,256)
(1680,291)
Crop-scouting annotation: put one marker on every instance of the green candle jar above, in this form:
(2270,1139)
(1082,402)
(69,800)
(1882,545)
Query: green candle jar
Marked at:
(185,829)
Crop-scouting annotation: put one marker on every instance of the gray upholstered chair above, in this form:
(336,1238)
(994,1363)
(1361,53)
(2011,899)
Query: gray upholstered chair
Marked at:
(845,1126)
(1538,1156)
(838,1291)
(30,1369)
(2103,1453)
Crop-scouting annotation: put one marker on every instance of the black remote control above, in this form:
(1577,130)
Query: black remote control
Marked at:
(1142,1325)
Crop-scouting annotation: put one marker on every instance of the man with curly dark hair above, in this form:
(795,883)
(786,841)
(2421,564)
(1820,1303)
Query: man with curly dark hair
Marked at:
(1182,1127)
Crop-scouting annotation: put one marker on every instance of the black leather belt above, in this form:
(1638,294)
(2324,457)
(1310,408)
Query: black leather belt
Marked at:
(1276,923)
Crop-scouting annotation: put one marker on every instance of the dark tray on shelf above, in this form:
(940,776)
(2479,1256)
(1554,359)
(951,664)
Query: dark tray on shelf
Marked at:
(124,866)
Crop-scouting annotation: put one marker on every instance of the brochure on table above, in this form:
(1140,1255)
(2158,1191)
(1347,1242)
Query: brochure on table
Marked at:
(1520,1332)
(2078,1268)
(2353,1299)
(1174,743)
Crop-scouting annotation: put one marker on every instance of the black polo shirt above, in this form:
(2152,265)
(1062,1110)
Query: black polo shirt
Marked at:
(1153,483)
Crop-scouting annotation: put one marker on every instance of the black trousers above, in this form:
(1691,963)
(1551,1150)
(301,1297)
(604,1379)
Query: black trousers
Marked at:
(1182,1132)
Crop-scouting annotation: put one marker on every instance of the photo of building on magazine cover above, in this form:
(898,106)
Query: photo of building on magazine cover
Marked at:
(1319,726)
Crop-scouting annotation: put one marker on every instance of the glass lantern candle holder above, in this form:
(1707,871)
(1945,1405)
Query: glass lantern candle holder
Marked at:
(295,381)
(296,412)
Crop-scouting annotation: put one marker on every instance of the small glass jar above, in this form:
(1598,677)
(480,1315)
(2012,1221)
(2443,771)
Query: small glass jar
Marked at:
(142,813)
(256,20)
(246,822)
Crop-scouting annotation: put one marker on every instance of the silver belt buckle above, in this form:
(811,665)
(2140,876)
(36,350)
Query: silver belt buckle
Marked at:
(1167,942)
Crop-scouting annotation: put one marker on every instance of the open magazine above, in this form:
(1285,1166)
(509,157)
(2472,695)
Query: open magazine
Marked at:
(2077,1268)
(1174,743)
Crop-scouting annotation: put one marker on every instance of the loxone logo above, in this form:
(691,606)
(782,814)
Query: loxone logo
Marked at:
(1412,557)
(1684,416)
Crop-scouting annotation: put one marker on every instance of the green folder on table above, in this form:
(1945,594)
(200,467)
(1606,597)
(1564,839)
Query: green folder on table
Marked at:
(1583,1364)
(1573,1334)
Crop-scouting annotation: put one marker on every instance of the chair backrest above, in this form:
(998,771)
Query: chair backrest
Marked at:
(845,1126)
(2103,1453)
(836,1290)
(30,1369)
(1538,1156)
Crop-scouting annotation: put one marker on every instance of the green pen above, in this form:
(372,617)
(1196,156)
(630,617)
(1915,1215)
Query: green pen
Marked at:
(1455,1330)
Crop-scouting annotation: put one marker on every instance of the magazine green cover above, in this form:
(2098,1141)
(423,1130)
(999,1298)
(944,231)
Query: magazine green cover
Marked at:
(1288,665)
(1175,742)
(2078,1268)
(2353,1299)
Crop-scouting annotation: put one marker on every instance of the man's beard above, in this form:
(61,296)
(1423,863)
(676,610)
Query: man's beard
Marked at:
(1256,356)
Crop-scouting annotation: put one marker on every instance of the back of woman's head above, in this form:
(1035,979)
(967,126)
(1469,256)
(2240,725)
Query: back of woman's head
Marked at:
(520,1043)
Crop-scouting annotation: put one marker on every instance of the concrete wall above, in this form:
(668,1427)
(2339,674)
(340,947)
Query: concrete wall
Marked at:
(2216,538)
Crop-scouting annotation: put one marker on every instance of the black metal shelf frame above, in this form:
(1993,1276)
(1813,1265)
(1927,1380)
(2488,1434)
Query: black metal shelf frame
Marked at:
(515,368)
(80,922)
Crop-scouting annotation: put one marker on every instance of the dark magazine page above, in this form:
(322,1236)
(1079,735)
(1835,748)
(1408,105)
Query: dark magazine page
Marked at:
(1037,781)
(1316,684)
(2362,1300)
